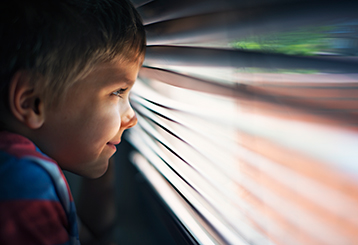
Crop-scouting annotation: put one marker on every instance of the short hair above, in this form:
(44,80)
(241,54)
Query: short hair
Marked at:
(59,41)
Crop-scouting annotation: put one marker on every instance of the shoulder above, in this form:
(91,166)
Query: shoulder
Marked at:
(22,178)
(30,210)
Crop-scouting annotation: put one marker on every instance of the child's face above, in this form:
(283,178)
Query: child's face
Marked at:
(82,133)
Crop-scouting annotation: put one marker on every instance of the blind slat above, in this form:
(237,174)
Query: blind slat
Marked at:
(210,57)
(162,10)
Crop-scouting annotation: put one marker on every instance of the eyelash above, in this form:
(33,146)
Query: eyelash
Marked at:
(120,92)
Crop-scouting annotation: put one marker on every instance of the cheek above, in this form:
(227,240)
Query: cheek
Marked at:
(107,120)
(96,126)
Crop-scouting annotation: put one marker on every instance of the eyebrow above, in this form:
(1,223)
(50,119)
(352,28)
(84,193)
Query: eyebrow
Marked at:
(118,80)
(127,81)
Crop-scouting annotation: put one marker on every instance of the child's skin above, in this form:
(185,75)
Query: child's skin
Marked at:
(82,132)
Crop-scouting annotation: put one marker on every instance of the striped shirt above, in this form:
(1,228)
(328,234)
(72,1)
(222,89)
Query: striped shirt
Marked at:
(36,205)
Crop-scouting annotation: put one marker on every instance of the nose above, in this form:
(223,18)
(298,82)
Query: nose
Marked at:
(132,122)
(129,120)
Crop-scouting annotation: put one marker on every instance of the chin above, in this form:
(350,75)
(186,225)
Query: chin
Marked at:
(98,173)
(93,170)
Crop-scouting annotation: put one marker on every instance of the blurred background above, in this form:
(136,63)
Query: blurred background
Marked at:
(247,130)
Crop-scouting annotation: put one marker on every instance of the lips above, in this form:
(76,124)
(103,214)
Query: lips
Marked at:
(113,144)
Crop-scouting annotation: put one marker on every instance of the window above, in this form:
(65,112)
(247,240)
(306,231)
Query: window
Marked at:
(248,118)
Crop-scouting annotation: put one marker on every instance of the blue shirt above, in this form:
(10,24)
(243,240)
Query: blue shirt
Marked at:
(36,205)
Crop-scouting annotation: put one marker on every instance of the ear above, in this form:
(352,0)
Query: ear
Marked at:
(25,102)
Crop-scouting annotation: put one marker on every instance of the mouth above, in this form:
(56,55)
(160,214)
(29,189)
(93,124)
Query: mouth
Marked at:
(113,144)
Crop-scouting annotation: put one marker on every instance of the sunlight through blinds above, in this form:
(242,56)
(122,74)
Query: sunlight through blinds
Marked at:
(248,118)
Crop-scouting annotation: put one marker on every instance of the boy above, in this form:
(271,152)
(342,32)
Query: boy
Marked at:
(66,69)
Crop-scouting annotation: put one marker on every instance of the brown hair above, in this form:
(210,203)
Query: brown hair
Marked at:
(59,41)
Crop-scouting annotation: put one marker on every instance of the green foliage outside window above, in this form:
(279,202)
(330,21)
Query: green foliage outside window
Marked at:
(302,42)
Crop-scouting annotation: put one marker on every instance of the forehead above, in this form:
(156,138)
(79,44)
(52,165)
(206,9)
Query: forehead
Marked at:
(112,73)
(125,71)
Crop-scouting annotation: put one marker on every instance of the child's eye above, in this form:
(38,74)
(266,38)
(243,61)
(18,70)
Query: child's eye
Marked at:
(120,92)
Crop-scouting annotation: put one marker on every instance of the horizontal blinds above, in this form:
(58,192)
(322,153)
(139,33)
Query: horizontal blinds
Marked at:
(251,138)
(215,24)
